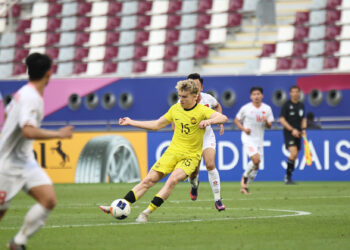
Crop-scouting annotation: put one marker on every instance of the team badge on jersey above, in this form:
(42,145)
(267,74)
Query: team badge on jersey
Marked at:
(301,112)
(193,120)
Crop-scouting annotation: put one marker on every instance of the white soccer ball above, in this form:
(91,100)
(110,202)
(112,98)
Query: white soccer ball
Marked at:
(120,209)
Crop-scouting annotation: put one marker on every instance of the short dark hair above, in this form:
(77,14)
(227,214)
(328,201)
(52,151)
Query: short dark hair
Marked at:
(294,87)
(194,76)
(256,88)
(37,65)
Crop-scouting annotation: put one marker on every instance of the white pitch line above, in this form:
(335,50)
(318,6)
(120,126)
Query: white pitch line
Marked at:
(295,213)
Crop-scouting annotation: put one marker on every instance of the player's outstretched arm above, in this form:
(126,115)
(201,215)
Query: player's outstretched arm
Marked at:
(218,108)
(149,125)
(215,118)
(31,132)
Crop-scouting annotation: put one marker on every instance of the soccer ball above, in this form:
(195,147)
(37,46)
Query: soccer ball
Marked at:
(120,209)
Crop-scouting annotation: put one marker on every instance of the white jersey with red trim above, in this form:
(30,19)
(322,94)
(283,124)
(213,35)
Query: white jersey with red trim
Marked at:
(208,100)
(252,117)
(16,151)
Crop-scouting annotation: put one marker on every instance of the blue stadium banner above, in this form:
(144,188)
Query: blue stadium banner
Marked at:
(330,151)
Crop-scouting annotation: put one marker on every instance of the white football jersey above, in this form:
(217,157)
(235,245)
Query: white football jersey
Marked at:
(208,101)
(16,151)
(252,117)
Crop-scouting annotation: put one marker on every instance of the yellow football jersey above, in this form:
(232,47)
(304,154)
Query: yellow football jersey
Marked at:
(188,137)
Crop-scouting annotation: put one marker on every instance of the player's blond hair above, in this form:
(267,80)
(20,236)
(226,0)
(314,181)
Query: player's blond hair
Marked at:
(188,85)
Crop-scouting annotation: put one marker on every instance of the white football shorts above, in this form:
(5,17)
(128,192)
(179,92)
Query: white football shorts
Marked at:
(209,140)
(253,149)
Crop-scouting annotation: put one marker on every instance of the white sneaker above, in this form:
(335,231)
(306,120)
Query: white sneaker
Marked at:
(142,218)
(106,209)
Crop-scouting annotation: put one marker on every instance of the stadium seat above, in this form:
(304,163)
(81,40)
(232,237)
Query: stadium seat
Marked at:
(157,36)
(299,48)
(332,16)
(317,32)
(79,68)
(234,20)
(52,52)
(54,9)
(97,53)
(112,38)
(189,7)
(40,9)
(170,66)
(301,18)
(331,47)
(316,48)
(127,37)
(284,49)
(15,10)
(144,6)
(143,21)
(268,49)
(97,38)
(23,24)
(204,6)
(267,64)
(285,33)
(317,17)
(81,38)
(301,33)
(217,36)
(99,8)
(64,69)
(98,23)
(159,7)
(19,69)
(141,36)
(330,62)
(125,53)
(185,66)
(83,23)
(203,20)
(69,23)
(139,67)
(8,39)
(345,17)
(109,67)
(66,54)
(315,64)
(129,7)
(53,24)
(124,68)
(2,25)
(187,36)
(344,4)
(172,36)
(140,51)
(332,4)
(80,53)
(84,8)
(37,39)
(155,52)
(111,53)
(69,9)
(201,35)
(159,21)
(344,63)
(128,22)
(218,20)
(94,68)
(186,51)
(235,5)
(21,54)
(68,38)
(114,8)
(22,39)
(299,63)
(175,6)
(332,31)
(6,69)
(283,64)
(154,67)
(201,51)
(52,39)
(220,6)
(344,47)
(38,24)
(345,32)
(7,55)
(174,20)
(171,51)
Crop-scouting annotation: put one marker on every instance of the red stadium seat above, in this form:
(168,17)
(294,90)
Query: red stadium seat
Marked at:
(174,6)
(114,8)
(301,18)
(141,36)
(299,63)
(235,5)
(331,47)
(268,49)
(299,48)
(332,31)
(283,64)
(330,62)
(52,39)
(171,51)
(20,54)
(81,38)
(144,6)
(54,68)
(332,4)
(54,9)
(169,66)
(112,37)
(109,67)
(201,35)
(53,24)
(332,16)
(204,6)
(80,53)
(140,51)
(52,52)
(301,33)
(203,20)
(15,10)
(172,36)
(23,24)
(83,8)
(201,51)
(113,22)
(79,68)
(19,69)
(111,53)
(22,39)
(234,19)
(83,23)
(143,21)
(139,67)
(173,21)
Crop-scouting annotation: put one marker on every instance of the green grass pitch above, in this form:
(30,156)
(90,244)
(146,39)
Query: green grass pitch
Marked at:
(309,215)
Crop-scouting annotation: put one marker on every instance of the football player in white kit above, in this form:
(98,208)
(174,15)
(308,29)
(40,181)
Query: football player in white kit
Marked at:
(256,116)
(209,149)
(18,167)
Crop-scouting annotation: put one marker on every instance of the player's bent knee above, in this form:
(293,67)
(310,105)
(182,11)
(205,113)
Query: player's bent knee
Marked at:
(210,166)
(49,203)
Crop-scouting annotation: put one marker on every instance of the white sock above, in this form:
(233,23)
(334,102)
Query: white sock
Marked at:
(214,179)
(194,182)
(249,169)
(33,221)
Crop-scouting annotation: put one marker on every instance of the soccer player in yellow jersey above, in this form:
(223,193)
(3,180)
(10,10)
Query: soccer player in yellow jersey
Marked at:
(185,150)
